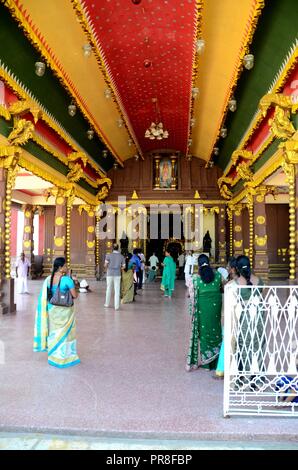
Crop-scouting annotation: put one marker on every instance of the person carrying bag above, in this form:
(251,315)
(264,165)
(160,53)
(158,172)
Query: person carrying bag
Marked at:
(55,324)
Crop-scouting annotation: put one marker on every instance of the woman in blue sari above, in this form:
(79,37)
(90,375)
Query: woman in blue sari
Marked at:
(55,326)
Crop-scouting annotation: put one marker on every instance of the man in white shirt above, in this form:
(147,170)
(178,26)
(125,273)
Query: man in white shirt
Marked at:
(114,263)
(153,261)
(22,273)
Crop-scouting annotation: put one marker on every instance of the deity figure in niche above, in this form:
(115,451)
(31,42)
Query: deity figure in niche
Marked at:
(165,173)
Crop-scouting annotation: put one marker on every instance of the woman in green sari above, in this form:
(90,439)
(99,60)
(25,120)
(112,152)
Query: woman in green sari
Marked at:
(205,308)
(127,281)
(168,275)
(55,326)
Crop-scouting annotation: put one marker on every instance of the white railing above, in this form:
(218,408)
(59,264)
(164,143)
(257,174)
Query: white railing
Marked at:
(261,350)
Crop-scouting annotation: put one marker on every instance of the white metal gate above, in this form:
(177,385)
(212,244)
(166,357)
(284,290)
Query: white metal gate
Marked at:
(261,350)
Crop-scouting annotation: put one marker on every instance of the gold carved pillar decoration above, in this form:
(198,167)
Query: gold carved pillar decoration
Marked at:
(237,230)
(290,167)
(290,171)
(28,246)
(230,210)
(174,179)
(250,206)
(90,239)
(222,235)
(157,162)
(97,219)
(260,233)
(62,217)
(9,157)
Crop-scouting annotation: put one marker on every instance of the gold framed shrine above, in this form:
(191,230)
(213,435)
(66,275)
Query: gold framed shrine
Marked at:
(165,172)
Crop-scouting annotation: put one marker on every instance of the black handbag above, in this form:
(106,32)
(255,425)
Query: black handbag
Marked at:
(61,299)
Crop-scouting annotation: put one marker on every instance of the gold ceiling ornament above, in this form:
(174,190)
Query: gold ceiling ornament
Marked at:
(51,61)
(244,172)
(88,208)
(238,228)
(238,243)
(75,172)
(74,156)
(24,106)
(247,154)
(280,125)
(290,149)
(22,94)
(4,112)
(224,190)
(9,156)
(107,181)
(21,133)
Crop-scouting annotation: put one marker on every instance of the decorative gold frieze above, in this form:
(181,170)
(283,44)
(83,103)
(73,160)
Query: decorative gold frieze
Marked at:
(260,220)
(261,241)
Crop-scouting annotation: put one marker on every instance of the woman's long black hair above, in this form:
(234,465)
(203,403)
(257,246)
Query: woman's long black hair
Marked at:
(205,270)
(58,263)
(244,269)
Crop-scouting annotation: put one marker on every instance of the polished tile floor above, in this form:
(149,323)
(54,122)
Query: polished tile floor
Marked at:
(131,383)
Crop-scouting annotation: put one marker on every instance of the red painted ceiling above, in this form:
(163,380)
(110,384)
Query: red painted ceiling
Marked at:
(162,32)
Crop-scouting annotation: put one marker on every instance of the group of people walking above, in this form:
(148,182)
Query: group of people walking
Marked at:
(55,320)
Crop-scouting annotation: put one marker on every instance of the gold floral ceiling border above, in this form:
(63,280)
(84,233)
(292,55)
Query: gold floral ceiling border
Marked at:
(279,83)
(40,44)
(195,68)
(81,12)
(250,30)
(24,95)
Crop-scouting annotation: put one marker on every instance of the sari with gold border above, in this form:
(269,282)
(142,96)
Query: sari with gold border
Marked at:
(55,331)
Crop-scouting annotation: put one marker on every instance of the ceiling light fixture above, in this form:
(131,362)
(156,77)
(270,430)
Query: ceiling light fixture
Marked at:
(120,122)
(195,91)
(136,157)
(104,153)
(192,122)
(200,46)
(216,150)
(232,105)
(130,142)
(223,132)
(87,49)
(90,134)
(115,166)
(107,93)
(40,68)
(156,130)
(72,109)
(248,61)
(189,142)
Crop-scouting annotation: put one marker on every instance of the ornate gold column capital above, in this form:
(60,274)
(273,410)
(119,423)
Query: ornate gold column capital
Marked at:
(290,150)
(280,125)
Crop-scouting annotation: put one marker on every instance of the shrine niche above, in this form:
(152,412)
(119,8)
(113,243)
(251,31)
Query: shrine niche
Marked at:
(165,172)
